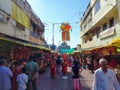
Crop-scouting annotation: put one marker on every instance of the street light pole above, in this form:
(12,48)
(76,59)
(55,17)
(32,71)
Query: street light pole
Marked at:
(53,35)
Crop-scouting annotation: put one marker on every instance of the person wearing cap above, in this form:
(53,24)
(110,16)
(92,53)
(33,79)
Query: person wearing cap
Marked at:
(105,78)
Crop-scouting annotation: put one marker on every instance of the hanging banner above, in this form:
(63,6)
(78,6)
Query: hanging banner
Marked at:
(70,51)
(65,27)
(65,36)
(20,16)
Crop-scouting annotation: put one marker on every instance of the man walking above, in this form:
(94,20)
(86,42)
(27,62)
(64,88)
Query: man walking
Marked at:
(5,76)
(104,78)
(31,69)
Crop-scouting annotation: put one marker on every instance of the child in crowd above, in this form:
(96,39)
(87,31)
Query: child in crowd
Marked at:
(76,70)
(22,79)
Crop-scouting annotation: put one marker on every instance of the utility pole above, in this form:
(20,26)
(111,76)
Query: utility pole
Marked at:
(53,35)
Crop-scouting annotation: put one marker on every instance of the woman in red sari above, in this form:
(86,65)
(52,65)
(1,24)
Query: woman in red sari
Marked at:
(53,68)
(16,70)
(64,67)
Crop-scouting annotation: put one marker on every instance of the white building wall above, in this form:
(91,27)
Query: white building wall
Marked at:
(9,27)
(92,2)
(97,42)
(105,7)
(118,30)
(11,30)
(6,28)
(6,6)
(26,34)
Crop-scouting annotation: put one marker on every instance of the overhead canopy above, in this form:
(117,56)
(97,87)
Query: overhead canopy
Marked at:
(24,43)
(116,42)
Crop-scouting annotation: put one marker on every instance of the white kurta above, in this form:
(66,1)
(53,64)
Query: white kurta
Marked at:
(105,81)
(22,79)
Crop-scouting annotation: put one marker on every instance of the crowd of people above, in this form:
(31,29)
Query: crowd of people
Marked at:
(59,65)
(18,77)
(25,75)
(21,74)
(105,76)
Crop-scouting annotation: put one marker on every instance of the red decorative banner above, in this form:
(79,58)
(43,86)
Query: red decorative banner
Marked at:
(65,36)
(65,27)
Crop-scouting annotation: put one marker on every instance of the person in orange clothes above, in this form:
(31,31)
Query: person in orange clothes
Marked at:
(64,67)
(53,68)
(16,70)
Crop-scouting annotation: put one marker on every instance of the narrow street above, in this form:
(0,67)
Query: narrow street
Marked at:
(86,80)
(46,83)
(35,34)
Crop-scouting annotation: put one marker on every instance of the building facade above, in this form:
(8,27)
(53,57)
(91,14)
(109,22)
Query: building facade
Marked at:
(18,20)
(100,23)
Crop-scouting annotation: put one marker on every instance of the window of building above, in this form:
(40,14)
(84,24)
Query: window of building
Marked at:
(85,24)
(90,17)
(85,40)
(90,39)
(97,35)
(97,6)
(20,26)
(104,26)
(81,28)
(111,22)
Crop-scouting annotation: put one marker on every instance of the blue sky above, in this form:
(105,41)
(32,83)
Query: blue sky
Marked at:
(56,12)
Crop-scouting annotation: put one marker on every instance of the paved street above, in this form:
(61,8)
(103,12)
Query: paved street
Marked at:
(86,80)
(46,83)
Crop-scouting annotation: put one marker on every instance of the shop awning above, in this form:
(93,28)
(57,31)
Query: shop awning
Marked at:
(104,49)
(24,43)
(116,42)
(11,41)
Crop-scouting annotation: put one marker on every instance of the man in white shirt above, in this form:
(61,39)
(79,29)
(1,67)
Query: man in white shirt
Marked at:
(5,76)
(104,78)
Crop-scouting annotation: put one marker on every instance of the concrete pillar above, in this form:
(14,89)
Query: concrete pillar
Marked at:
(118,4)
